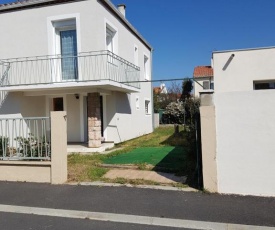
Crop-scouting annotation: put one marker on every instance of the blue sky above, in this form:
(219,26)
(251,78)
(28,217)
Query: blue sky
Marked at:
(185,32)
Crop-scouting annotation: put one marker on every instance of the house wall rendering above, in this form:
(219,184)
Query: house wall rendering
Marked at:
(37,31)
(237,70)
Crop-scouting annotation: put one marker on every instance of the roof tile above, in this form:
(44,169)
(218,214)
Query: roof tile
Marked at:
(203,71)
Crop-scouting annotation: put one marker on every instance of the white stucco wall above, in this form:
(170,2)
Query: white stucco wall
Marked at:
(29,33)
(18,105)
(73,115)
(244,68)
(245,129)
(198,88)
(124,120)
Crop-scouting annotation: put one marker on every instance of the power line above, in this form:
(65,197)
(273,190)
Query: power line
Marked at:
(161,80)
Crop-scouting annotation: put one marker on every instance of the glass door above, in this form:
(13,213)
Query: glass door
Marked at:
(69,63)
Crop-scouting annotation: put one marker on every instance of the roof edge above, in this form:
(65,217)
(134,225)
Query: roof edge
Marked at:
(245,49)
(111,5)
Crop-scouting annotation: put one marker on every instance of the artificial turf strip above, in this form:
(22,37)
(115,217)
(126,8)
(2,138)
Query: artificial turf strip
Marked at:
(167,157)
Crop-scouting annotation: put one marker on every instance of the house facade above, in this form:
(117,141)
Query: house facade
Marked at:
(237,123)
(203,79)
(83,57)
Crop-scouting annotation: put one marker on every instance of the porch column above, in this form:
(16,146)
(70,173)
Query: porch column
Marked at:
(94,120)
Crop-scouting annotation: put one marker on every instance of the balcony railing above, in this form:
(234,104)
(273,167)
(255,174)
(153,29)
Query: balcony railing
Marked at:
(85,67)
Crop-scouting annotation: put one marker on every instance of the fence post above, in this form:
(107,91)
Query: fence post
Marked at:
(208,141)
(58,147)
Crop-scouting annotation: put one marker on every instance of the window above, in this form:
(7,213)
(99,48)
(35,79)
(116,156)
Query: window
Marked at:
(137,102)
(206,85)
(264,85)
(66,46)
(147,107)
(111,43)
(146,68)
(109,40)
(58,104)
(212,85)
(69,64)
(136,55)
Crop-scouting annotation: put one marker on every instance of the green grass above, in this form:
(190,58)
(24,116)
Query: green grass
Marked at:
(162,136)
(166,157)
(161,149)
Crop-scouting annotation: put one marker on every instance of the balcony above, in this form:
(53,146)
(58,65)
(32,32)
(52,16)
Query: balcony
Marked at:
(97,68)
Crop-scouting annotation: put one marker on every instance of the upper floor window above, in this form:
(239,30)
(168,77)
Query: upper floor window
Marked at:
(212,85)
(109,40)
(136,55)
(208,84)
(264,85)
(66,46)
(146,68)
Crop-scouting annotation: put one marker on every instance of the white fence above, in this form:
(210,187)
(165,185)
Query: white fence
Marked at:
(25,138)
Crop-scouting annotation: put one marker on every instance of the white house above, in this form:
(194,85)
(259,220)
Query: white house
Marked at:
(81,56)
(203,79)
(238,126)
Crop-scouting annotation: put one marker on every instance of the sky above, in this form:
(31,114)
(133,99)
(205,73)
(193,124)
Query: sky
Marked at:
(184,33)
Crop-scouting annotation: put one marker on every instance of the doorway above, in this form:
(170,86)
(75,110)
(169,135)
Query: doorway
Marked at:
(58,104)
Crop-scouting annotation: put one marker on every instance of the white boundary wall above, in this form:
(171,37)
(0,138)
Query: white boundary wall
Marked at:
(245,126)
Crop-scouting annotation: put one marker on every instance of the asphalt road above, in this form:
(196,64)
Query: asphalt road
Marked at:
(245,210)
(31,222)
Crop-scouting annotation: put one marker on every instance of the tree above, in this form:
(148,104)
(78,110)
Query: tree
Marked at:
(187,86)
(174,91)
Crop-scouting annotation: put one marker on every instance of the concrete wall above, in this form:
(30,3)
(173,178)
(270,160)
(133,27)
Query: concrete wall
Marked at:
(54,171)
(156,120)
(238,73)
(209,143)
(245,142)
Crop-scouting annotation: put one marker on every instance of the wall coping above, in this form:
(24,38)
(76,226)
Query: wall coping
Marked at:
(31,163)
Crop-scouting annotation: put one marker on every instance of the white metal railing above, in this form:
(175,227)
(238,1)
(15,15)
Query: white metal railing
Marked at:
(25,138)
(4,68)
(88,66)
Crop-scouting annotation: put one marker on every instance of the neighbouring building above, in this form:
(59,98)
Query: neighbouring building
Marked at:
(83,57)
(203,79)
(237,123)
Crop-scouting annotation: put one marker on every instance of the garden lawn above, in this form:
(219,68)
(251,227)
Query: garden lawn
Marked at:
(166,157)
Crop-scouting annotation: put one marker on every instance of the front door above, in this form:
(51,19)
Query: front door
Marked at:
(69,63)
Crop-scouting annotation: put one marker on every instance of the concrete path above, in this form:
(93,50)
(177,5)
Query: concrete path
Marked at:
(159,177)
(82,148)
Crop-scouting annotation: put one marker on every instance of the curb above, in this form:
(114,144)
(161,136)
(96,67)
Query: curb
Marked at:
(157,187)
